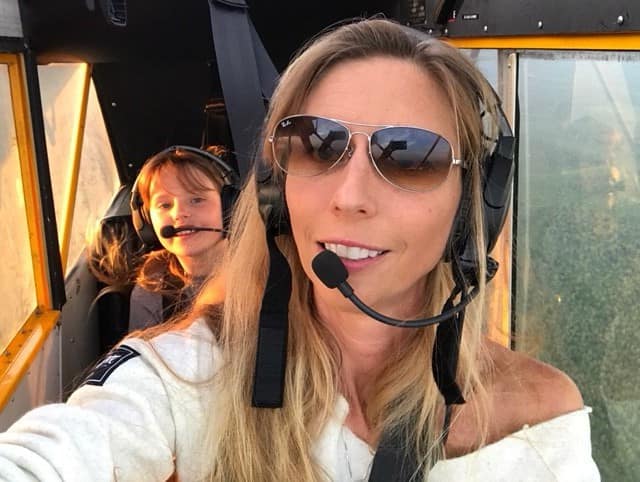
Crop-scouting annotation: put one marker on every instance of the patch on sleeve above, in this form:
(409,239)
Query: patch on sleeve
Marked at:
(109,363)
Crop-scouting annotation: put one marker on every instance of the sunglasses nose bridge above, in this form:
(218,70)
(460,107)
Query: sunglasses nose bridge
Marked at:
(351,147)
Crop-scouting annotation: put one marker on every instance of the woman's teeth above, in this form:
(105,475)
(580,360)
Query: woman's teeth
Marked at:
(351,252)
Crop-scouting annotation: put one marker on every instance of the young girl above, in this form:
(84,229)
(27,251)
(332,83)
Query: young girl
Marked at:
(374,153)
(178,185)
(179,190)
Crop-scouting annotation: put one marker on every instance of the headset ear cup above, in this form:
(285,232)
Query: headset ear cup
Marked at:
(272,202)
(141,223)
(148,236)
(497,177)
(496,189)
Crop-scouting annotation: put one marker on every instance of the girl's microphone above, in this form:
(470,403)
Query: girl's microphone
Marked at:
(170,231)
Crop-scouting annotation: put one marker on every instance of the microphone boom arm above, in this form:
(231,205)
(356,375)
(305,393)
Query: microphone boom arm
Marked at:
(347,291)
(330,270)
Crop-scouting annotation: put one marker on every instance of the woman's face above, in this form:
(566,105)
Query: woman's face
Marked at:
(173,204)
(352,206)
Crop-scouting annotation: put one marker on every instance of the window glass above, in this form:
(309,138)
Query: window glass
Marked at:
(577,237)
(16,272)
(486,60)
(61,90)
(98,179)
(10,24)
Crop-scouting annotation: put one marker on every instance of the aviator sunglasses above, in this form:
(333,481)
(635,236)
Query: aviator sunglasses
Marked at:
(410,158)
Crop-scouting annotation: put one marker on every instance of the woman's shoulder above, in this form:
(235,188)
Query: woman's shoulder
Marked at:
(189,351)
(521,391)
(537,420)
(527,391)
(553,450)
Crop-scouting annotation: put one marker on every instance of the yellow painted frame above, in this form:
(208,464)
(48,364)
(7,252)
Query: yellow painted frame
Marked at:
(74,168)
(610,41)
(24,346)
(30,183)
(499,289)
(22,351)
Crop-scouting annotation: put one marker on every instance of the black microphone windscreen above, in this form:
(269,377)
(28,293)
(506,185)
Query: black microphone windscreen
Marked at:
(167,231)
(328,267)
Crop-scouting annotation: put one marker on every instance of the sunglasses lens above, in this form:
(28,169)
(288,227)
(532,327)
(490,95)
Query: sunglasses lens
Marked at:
(411,158)
(308,145)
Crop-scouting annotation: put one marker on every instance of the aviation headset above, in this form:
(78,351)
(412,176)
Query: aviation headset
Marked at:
(497,170)
(228,195)
(497,175)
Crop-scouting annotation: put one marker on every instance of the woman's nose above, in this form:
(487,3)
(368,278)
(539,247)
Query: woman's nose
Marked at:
(354,187)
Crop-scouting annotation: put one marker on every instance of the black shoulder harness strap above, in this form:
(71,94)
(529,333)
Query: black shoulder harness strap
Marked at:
(394,461)
(245,84)
(273,328)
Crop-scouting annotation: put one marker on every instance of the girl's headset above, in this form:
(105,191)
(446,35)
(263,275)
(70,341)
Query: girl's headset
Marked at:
(228,195)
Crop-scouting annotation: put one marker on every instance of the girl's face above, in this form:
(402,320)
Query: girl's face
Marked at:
(173,204)
(388,239)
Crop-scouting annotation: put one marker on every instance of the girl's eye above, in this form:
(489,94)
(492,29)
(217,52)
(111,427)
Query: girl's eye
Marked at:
(163,205)
(197,200)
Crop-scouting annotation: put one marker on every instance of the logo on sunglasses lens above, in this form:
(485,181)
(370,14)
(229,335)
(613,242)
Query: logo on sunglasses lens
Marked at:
(286,123)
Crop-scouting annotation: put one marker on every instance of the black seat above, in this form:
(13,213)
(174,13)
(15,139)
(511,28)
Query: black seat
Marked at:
(114,270)
(111,307)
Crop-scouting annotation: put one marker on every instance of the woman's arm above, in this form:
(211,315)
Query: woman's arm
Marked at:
(117,426)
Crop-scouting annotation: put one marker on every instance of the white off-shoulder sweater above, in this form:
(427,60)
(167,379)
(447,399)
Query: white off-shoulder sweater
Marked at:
(144,411)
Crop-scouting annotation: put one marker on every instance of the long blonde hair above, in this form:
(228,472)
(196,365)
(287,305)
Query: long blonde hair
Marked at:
(251,444)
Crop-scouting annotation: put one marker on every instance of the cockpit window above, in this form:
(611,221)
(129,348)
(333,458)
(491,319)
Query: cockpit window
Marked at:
(578,255)
(61,90)
(16,272)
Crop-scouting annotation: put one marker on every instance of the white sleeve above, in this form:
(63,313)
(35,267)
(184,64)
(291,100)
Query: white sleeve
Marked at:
(121,430)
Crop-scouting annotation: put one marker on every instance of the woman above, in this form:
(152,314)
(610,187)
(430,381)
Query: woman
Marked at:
(183,401)
(177,190)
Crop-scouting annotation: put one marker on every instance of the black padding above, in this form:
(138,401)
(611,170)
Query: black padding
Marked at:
(111,307)
(444,358)
(141,222)
(268,390)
